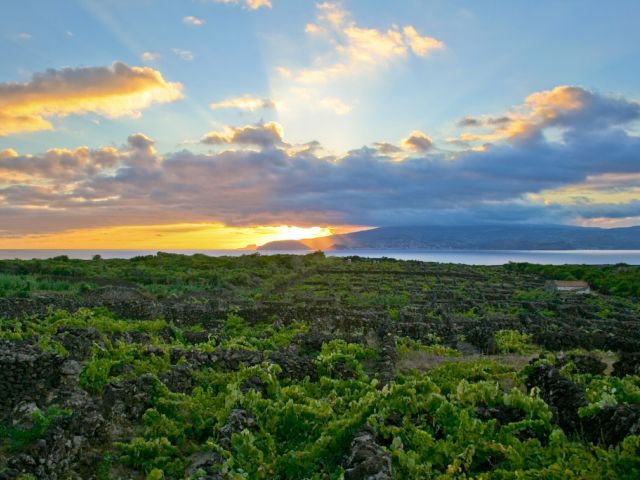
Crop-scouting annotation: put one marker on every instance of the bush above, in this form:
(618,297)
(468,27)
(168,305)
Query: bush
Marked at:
(513,341)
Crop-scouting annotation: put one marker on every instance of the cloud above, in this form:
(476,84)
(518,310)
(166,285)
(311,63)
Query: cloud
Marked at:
(591,176)
(139,141)
(469,121)
(193,21)
(250,4)
(335,105)
(421,45)
(113,91)
(346,59)
(418,142)
(245,102)
(606,188)
(355,48)
(284,72)
(8,153)
(263,135)
(58,164)
(568,108)
(386,148)
(186,55)
(255,4)
(149,56)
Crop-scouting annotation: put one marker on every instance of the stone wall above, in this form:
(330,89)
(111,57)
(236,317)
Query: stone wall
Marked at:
(26,372)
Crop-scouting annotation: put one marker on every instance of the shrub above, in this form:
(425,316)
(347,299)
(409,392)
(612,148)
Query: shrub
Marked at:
(513,341)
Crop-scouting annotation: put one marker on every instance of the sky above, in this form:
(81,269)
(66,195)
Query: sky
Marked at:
(226,123)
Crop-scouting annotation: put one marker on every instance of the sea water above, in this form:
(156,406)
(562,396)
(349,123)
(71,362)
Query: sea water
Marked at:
(468,257)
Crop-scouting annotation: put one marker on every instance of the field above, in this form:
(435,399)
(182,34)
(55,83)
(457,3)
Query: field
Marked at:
(308,367)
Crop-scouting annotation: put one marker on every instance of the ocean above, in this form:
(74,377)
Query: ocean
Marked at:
(468,257)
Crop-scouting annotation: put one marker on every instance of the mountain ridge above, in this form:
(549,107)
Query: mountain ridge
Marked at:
(473,237)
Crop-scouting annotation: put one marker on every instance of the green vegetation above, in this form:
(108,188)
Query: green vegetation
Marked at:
(16,438)
(262,337)
(163,275)
(269,367)
(622,280)
(405,345)
(85,318)
(512,341)
(25,285)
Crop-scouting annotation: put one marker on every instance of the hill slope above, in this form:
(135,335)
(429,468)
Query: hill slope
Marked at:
(479,237)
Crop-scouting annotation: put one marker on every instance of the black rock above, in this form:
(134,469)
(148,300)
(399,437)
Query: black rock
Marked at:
(367,460)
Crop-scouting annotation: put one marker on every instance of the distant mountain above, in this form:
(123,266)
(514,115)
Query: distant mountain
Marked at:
(475,237)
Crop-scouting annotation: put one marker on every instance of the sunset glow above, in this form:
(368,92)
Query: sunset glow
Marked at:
(171,237)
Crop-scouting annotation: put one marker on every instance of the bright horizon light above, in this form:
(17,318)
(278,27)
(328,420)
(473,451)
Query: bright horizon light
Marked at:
(172,237)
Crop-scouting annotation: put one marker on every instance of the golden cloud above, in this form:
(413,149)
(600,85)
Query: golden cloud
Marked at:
(563,107)
(607,188)
(8,153)
(255,4)
(263,135)
(421,45)
(417,141)
(113,91)
(541,108)
(357,47)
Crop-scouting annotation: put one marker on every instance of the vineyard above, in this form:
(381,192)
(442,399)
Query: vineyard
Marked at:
(309,367)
